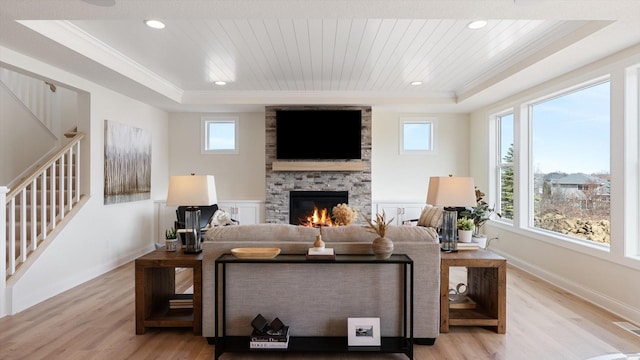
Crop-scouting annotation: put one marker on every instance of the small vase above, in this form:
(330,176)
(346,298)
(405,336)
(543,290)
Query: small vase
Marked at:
(464,236)
(171,244)
(481,240)
(318,244)
(382,248)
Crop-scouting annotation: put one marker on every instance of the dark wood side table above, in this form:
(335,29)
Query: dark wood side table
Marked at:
(486,285)
(155,286)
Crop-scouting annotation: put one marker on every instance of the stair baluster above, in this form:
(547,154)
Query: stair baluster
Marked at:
(26,229)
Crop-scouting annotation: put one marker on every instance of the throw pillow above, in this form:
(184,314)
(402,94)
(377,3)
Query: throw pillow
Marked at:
(221,218)
(431,217)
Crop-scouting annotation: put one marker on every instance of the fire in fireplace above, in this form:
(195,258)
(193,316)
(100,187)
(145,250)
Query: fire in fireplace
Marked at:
(307,207)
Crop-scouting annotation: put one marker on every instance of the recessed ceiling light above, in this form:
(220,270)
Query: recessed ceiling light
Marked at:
(477,24)
(221,83)
(156,24)
(416,83)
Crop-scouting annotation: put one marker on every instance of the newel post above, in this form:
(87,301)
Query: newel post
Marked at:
(4,303)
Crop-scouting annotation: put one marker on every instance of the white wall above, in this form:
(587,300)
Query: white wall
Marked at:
(238,176)
(100,237)
(18,126)
(395,177)
(68,109)
(404,178)
(606,278)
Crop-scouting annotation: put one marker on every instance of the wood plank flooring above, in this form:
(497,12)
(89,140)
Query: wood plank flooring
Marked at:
(96,321)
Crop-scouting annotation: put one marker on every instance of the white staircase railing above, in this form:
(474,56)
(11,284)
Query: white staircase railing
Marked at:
(37,204)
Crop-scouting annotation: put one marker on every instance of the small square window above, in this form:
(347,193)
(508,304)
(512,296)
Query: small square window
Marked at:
(219,135)
(416,135)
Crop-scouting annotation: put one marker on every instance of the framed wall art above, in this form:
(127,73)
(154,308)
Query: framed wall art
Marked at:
(127,163)
(363,331)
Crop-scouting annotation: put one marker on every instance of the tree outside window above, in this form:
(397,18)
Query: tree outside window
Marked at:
(505,165)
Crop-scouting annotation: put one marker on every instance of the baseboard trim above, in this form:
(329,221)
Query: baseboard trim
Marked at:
(601,300)
(23,299)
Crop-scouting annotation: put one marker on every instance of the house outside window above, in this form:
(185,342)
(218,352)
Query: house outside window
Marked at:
(219,135)
(505,165)
(570,162)
(416,135)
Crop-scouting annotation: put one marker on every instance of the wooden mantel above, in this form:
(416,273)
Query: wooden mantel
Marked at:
(317,166)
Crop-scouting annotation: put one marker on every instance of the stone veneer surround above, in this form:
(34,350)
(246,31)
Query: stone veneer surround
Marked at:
(279,183)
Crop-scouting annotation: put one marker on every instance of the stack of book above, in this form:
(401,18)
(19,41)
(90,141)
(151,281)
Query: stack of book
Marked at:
(321,254)
(180,303)
(270,339)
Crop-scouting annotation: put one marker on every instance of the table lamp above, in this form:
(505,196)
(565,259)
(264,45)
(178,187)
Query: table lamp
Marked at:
(192,191)
(450,192)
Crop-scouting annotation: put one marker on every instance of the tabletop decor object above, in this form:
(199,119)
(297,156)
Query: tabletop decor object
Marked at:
(382,246)
(255,253)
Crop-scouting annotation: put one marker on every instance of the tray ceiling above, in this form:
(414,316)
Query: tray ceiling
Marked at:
(306,57)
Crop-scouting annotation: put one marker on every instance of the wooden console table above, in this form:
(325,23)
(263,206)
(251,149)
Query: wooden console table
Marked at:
(155,286)
(486,285)
(331,344)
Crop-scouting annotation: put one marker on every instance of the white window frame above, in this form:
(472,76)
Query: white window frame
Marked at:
(625,207)
(417,120)
(499,164)
(206,120)
(632,163)
(527,108)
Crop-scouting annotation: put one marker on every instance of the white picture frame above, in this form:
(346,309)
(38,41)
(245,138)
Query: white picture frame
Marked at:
(363,331)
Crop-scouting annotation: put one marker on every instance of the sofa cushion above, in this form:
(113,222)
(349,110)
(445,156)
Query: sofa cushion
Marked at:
(253,232)
(293,233)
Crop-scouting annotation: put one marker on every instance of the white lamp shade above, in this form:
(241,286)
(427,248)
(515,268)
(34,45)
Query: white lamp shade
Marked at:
(192,190)
(451,191)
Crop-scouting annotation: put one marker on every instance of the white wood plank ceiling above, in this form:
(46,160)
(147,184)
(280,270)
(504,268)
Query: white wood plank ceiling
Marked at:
(377,55)
(318,51)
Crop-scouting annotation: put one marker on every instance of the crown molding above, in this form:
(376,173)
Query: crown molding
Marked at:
(78,40)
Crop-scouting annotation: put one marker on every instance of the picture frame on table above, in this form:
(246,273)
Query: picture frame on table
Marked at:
(363,331)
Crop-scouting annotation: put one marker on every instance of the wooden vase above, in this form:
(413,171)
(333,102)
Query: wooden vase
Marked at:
(382,248)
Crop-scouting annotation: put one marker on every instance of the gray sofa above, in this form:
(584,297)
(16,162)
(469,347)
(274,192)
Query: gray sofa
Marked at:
(316,300)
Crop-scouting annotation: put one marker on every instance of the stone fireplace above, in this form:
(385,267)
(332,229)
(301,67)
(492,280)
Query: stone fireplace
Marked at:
(279,184)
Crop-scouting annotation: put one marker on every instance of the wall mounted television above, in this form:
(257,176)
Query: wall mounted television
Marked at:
(318,134)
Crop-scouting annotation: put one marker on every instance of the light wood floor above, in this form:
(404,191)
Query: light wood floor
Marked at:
(96,321)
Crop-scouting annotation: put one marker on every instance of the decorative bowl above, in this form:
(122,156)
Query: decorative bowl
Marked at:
(255,253)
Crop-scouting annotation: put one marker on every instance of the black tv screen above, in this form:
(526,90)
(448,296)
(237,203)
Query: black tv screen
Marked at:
(318,134)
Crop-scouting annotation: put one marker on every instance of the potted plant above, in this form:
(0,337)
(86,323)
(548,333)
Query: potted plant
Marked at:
(465,229)
(171,239)
(480,214)
(382,246)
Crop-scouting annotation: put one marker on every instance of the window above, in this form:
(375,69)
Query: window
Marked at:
(505,165)
(570,162)
(219,135)
(416,135)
